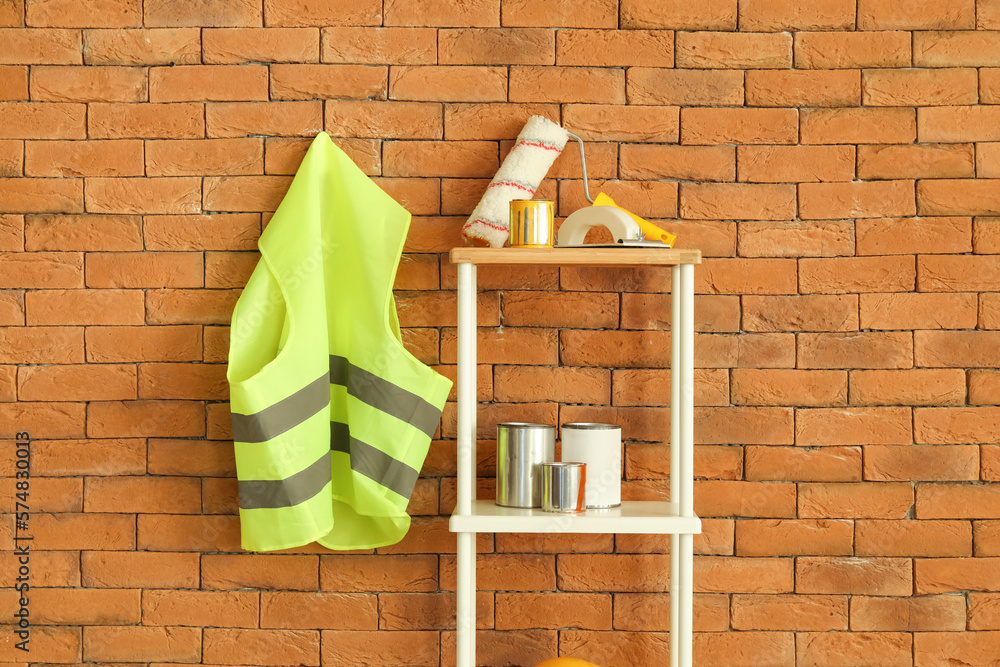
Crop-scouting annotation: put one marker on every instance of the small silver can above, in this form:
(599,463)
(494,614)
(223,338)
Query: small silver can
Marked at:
(564,486)
(521,449)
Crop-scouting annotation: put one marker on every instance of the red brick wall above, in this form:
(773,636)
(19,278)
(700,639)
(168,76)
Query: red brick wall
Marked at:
(836,161)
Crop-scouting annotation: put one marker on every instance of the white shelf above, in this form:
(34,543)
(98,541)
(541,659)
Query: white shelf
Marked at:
(638,517)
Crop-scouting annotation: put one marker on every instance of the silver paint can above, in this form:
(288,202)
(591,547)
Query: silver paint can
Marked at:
(564,486)
(521,449)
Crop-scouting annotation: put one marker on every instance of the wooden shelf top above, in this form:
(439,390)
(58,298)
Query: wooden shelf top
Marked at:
(624,256)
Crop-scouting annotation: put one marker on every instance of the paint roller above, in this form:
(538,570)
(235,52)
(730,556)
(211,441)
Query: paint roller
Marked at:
(538,145)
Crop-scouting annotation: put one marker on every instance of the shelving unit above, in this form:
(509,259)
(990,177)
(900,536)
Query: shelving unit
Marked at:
(675,518)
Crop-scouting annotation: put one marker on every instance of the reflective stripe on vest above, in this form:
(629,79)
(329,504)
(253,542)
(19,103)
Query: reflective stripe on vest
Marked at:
(365,459)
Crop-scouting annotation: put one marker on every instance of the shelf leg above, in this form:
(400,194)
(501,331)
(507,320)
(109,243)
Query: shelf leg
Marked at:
(682,462)
(465,612)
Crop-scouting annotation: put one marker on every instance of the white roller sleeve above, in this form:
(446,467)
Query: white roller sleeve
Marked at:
(538,145)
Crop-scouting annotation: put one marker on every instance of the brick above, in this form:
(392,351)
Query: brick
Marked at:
(972,647)
(598,122)
(903,236)
(826,464)
(195,13)
(958,197)
(854,648)
(728,50)
(143,195)
(795,238)
(633,572)
(789,612)
(186,457)
(57,83)
(586,85)
(813,88)
(163,269)
(96,457)
(913,538)
(871,274)
(117,419)
(967,425)
(440,158)
(693,163)
(520,572)
(12,13)
(41,269)
(51,643)
(184,532)
(200,608)
(918,311)
(145,121)
(214,83)
(41,345)
(982,611)
(740,201)
(311,81)
(872,199)
(12,309)
(40,46)
(73,531)
(948,575)
(653,462)
(67,307)
(560,309)
(984,386)
(919,87)
(908,614)
(907,387)
(146,495)
(760,425)
(743,575)
(78,158)
(800,313)
(853,426)
(861,126)
(916,161)
(851,50)
(652,311)
(604,48)
(85,14)
(740,126)
(956,501)
(384,120)
(987,14)
(26,120)
(183,381)
(958,124)
(520,611)
(79,383)
(337,611)
(83,607)
(960,349)
(736,498)
(204,157)
(240,119)
(456,83)
(793,537)
(567,385)
(678,15)
(131,643)
(957,273)
(853,576)
(155,46)
(643,612)
(244,193)
(272,45)
(855,500)
(497,46)
(560,14)
(955,48)
(357,573)
(643,386)
(788,387)
(511,647)
(685,87)
(756,276)
(988,160)
(378,45)
(11,164)
(190,306)
(884,15)
(796,164)
(789,15)
(124,569)
(41,195)
(13,82)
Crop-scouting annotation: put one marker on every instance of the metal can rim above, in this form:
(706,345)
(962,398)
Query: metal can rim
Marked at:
(590,426)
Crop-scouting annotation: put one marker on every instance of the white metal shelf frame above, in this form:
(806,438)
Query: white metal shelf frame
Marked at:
(676,518)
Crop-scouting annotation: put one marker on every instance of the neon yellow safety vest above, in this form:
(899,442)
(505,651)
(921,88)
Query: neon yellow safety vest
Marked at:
(332,416)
